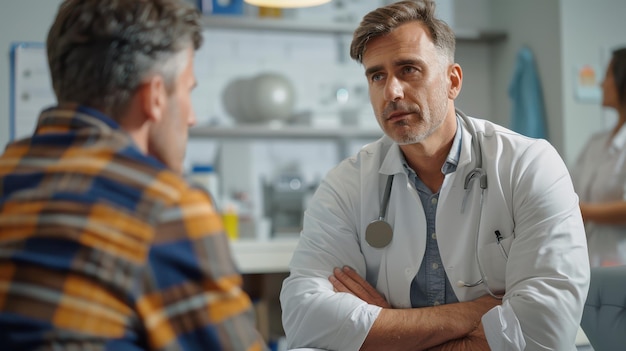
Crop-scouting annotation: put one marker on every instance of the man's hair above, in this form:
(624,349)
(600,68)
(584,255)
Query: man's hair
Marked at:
(385,19)
(619,74)
(100,51)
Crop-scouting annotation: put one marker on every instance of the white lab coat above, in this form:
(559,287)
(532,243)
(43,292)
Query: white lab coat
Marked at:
(600,177)
(530,200)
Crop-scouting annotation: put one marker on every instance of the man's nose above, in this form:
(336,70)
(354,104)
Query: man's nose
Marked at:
(393,89)
(192,119)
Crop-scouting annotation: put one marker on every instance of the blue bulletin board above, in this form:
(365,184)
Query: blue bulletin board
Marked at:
(31,87)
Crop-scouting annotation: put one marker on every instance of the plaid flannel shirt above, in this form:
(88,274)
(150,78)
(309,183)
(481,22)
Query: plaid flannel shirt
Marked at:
(103,248)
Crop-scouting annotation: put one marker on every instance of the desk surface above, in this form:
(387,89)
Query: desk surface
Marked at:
(271,256)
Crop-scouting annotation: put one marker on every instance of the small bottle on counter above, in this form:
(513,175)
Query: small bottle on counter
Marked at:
(205,175)
(230,218)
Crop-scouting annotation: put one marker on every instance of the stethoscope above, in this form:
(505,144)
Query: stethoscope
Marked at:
(379,233)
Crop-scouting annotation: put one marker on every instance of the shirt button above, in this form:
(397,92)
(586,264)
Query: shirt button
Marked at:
(435,266)
(433,201)
(434,236)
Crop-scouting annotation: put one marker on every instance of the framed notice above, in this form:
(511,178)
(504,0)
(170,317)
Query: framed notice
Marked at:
(587,84)
(31,87)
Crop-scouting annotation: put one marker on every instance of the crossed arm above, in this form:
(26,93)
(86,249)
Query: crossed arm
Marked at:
(446,327)
(604,213)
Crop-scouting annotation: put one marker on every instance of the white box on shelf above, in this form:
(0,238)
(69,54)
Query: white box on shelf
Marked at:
(273,256)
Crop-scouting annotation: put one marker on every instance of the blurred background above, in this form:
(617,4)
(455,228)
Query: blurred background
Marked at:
(279,102)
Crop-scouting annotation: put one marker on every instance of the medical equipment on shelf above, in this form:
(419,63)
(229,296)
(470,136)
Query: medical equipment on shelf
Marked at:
(379,233)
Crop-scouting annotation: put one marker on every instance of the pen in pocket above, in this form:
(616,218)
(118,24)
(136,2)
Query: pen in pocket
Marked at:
(499,241)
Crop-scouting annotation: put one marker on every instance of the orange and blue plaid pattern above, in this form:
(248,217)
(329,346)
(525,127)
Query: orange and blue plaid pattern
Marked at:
(103,248)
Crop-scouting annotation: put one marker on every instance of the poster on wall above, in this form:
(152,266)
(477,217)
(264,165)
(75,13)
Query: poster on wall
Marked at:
(31,87)
(587,84)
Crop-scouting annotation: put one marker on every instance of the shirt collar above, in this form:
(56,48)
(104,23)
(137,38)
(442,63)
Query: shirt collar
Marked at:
(619,140)
(69,116)
(452,160)
(455,151)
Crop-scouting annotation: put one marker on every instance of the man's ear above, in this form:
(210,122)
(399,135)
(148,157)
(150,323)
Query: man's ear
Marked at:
(455,75)
(153,97)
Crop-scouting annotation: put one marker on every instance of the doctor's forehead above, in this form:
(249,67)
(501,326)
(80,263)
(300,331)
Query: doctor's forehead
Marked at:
(410,40)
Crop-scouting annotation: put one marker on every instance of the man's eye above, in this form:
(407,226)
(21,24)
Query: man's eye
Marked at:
(376,77)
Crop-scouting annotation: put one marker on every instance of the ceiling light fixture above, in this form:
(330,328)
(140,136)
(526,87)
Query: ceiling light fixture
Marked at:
(286,3)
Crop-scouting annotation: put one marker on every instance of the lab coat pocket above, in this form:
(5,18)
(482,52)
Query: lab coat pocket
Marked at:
(493,259)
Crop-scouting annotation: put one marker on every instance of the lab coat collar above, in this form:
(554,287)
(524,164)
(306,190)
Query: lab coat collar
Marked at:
(392,162)
(465,157)
(619,140)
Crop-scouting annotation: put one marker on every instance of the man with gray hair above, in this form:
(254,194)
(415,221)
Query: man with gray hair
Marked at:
(103,245)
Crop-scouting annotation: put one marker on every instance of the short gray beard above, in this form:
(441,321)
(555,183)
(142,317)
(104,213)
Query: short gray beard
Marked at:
(418,138)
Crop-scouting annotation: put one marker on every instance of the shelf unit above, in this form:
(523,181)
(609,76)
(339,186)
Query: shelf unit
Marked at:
(284,25)
(273,256)
(342,135)
(292,25)
(286,132)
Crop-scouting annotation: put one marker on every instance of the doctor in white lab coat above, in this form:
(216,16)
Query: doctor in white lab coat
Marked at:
(537,262)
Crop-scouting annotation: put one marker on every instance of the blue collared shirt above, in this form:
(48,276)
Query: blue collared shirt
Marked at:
(431,286)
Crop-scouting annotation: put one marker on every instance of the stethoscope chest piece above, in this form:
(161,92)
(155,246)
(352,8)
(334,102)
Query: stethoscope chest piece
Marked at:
(378,234)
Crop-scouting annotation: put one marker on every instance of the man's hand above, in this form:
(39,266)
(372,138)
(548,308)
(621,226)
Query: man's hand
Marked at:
(418,328)
(474,341)
(484,304)
(347,280)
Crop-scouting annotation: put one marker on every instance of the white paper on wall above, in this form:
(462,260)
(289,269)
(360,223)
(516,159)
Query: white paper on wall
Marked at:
(31,87)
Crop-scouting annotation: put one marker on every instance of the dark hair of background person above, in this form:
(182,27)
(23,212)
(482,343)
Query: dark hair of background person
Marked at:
(385,19)
(618,63)
(100,51)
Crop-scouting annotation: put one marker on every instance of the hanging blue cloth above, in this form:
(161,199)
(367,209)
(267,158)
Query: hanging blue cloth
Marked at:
(527,114)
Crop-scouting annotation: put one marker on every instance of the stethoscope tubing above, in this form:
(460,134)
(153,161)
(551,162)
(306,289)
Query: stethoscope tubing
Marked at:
(479,172)
(386,196)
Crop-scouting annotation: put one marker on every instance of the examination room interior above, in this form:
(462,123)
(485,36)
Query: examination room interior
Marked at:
(265,169)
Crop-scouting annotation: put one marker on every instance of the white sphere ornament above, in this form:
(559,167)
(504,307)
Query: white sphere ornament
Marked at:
(260,99)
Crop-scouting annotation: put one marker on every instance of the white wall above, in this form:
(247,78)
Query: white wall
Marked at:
(20,20)
(563,34)
(476,62)
(589,30)
(534,23)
